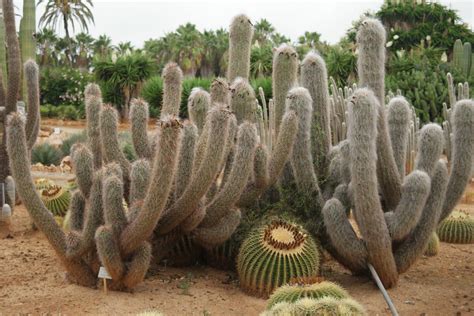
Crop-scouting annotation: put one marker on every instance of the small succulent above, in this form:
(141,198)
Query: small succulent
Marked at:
(457,228)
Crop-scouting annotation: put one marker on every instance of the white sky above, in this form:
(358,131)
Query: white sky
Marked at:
(139,20)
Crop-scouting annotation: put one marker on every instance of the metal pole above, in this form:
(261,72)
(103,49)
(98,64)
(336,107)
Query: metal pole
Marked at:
(393,310)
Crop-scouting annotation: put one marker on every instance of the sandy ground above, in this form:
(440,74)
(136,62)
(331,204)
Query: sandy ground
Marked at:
(32,282)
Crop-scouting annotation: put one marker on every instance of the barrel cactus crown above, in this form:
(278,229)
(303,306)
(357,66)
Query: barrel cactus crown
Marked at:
(273,254)
(293,292)
(43,183)
(311,306)
(56,199)
(433,246)
(457,228)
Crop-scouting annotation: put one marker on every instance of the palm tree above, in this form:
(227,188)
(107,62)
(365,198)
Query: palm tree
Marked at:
(84,44)
(103,46)
(46,40)
(124,48)
(67,12)
(263,31)
(261,57)
(190,48)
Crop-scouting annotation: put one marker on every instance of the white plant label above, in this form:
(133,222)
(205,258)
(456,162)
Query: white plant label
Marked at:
(104,274)
(57,131)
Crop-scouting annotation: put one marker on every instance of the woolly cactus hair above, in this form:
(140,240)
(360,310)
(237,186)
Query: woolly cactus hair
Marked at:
(243,100)
(219,91)
(43,183)
(199,102)
(432,249)
(150,312)
(329,306)
(240,41)
(274,254)
(293,292)
(457,229)
(56,199)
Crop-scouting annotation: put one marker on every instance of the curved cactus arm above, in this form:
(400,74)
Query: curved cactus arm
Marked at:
(260,167)
(216,235)
(164,170)
(110,143)
(243,101)
(193,220)
(199,102)
(14,57)
(343,194)
(32,119)
(186,158)
(93,102)
(462,156)
(80,242)
(43,219)
(240,42)
(219,91)
(139,180)
(350,249)
(414,245)
(299,101)
(172,90)
(371,70)
(204,176)
(368,210)
(314,78)
(334,172)
(138,266)
(345,161)
(114,211)
(229,150)
(109,252)
(398,126)
(76,211)
(280,155)
(139,121)
(83,164)
(284,77)
(404,218)
(431,144)
(238,177)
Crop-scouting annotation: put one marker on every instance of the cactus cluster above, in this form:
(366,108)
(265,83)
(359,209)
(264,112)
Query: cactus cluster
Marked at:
(274,254)
(193,179)
(463,57)
(458,228)
(10,87)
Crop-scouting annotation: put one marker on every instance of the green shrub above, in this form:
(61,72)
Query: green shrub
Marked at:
(341,65)
(71,140)
(46,155)
(265,83)
(49,111)
(152,92)
(68,112)
(59,85)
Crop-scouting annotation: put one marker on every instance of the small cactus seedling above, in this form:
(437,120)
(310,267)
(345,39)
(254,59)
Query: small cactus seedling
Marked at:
(260,256)
(56,199)
(293,292)
(457,228)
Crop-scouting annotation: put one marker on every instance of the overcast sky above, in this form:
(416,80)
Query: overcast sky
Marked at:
(139,20)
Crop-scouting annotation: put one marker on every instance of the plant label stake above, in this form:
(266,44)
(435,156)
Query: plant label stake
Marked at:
(104,275)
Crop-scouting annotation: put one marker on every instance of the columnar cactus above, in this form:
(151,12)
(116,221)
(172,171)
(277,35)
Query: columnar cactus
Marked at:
(240,40)
(9,90)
